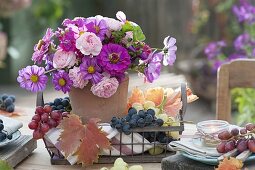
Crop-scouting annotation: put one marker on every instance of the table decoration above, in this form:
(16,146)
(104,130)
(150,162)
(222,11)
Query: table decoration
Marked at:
(90,59)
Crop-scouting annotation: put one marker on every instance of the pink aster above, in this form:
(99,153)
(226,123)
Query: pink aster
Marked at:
(90,70)
(114,59)
(42,47)
(62,81)
(32,78)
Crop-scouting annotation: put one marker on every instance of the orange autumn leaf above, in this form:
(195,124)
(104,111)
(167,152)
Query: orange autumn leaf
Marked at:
(230,164)
(85,141)
(136,97)
(70,138)
(155,95)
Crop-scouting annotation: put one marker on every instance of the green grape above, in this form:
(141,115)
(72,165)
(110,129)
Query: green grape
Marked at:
(119,168)
(120,162)
(156,151)
(148,104)
(137,106)
(164,117)
(136,167)
(175,135)
(104,168)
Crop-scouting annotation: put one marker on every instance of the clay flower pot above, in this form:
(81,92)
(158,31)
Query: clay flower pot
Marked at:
(87,105)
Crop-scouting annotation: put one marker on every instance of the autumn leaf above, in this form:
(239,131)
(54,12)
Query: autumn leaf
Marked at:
(70,137)
(85,141)
(137,96)
(230,164)
(155,95)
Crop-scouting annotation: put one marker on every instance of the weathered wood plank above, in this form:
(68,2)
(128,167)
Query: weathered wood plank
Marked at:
(18,150)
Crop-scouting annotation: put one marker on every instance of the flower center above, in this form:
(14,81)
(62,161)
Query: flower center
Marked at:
(114,58)
(34,78)
(97,28)
(62,82)
(91,69)
(40,44)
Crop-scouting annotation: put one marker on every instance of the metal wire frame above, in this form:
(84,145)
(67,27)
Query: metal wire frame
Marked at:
(58,159)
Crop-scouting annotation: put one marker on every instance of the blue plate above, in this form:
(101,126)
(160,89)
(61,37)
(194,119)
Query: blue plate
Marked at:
(211,161)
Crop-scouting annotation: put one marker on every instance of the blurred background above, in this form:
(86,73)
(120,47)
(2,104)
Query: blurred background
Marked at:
(194,23)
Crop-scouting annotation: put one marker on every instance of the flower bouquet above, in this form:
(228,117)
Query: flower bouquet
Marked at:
(93,55)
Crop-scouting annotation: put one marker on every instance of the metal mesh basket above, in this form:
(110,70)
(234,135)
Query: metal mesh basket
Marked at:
(58,159)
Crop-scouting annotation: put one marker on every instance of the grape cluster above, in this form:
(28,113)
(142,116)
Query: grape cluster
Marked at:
(140,119)
(7,102)
(241,139)
(61,104)
(44,119)
(3,135)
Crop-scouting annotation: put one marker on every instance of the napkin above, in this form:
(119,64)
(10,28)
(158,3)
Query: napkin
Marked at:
(114,136)
(10,125)
(189,147)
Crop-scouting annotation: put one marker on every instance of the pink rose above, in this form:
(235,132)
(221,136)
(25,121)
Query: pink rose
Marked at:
(106,87)
(77,78)
(62,59)
(88,43)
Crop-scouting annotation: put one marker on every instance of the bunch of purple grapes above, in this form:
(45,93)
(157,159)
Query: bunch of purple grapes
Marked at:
(61,104)
(3,134)
(7,102)
(140,119)
(241,139)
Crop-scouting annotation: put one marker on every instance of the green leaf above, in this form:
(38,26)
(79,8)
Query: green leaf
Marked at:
(5,166)
(137,31)
(138,34)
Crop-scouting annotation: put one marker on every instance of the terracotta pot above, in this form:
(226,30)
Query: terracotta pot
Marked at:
(87,105)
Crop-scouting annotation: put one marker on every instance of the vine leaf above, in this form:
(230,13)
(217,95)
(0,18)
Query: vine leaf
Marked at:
(84,141)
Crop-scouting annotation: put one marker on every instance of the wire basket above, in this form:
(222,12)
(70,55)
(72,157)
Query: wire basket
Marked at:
(123,147)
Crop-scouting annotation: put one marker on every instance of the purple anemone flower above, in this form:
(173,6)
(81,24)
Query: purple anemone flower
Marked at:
(32,78)
(152,71)
(42,47)
(213,49)
(114,59)
(236,56)
(245,12)
(91,70)
(241,41)
(62,81)
(169,51)
(98,26)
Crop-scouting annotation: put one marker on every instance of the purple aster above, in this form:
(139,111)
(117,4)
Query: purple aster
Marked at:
(169,51)
(67,39)
(245,12)
(32,78)
(152,71)
(217,64)
(42,47)
(62,81)
(236,56)
(91,70)
(241,41)
(213,49)
(114,59)
(98,26)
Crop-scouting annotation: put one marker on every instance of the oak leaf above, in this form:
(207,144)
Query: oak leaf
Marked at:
(84,141)
(230,164)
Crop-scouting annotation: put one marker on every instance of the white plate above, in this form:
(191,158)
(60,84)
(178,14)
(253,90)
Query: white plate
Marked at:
(15,136)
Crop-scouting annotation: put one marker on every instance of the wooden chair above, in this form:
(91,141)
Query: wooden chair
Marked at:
(238,73)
